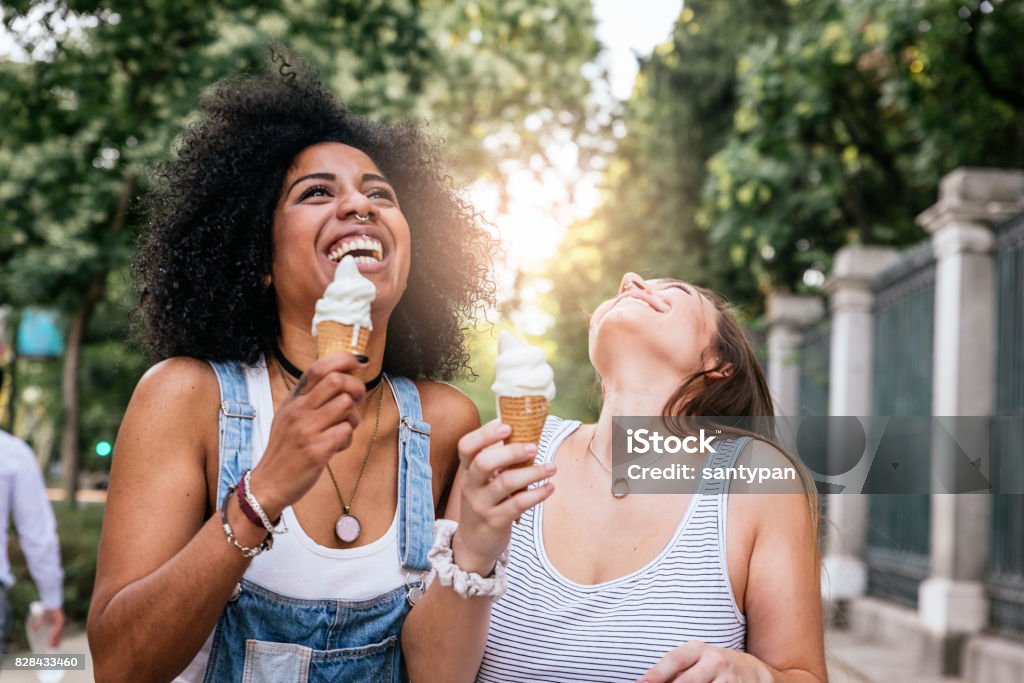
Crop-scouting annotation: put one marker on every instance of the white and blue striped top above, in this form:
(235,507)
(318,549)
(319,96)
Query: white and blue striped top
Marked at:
(549,629)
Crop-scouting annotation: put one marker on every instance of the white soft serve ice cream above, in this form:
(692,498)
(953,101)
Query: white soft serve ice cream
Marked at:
(347,299)
(522,370)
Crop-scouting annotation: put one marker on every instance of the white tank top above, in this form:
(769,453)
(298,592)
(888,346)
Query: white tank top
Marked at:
(297,566)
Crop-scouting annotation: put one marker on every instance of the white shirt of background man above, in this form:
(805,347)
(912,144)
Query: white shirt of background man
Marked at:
(23,494)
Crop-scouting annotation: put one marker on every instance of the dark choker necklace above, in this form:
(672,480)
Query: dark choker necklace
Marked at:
(290,368)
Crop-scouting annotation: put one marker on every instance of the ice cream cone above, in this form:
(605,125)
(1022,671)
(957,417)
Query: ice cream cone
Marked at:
(335,337)
(525,415)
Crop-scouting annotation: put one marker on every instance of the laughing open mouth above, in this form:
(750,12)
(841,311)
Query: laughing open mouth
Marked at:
(363,249)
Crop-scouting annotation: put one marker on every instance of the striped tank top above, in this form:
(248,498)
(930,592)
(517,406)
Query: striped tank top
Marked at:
(547,628)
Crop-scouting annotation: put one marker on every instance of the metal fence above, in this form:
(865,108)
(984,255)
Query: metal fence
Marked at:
(814,356)
(814,365)
(899,525)
(1006,580)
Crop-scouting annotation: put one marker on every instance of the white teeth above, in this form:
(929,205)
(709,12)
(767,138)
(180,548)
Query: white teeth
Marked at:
(359,244)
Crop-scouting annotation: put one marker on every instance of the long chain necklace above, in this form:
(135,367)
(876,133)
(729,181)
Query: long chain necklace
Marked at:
(348,527)
(620,485)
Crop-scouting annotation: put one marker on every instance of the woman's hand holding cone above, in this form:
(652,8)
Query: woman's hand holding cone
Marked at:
(494,493)
(313,423)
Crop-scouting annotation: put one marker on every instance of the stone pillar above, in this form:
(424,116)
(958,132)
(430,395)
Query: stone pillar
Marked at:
(787,316)
(851,298)
(952,602)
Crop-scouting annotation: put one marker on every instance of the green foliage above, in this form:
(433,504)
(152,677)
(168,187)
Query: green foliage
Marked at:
(91,111)
(765,135)
(678,116)
(79,531)
(503,62)
(846,123)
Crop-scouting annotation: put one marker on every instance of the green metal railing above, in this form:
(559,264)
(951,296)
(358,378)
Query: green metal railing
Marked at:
(814,364)
(899,525)
(1006,580)
(814,355)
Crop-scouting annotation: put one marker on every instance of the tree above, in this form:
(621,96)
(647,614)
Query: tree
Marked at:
(845,126)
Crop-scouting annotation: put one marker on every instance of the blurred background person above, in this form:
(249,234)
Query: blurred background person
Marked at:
(23,496)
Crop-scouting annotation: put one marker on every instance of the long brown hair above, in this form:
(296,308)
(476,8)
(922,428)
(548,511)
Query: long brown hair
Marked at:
(742,392)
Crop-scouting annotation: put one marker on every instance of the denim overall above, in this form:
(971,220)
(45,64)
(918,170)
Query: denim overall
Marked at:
(265,637)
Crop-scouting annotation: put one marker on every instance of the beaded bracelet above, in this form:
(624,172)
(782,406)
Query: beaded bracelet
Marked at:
(267,543)
(465,584)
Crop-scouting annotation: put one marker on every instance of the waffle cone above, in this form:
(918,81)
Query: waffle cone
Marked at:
(333,337)
(526,416)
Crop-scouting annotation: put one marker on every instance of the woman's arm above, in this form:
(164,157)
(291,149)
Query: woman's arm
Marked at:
(163,575)
(445,634)
(164,572)
(785,630)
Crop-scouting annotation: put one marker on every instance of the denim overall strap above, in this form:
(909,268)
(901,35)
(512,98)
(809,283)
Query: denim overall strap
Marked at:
(235,420)
(415,495)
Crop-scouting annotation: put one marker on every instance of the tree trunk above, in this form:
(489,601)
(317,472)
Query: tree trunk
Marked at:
(73,355)
(12,395)
(69,382)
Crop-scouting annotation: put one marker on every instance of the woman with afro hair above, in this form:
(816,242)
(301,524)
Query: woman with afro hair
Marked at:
(270,512)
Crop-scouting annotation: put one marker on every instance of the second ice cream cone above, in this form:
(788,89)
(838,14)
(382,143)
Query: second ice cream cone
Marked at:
(525,415)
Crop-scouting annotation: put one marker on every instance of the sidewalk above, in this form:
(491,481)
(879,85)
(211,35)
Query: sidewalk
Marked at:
(74,644)
(851,660)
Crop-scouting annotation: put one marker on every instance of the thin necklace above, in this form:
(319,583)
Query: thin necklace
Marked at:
(620,485)
(289,367)
(348,527)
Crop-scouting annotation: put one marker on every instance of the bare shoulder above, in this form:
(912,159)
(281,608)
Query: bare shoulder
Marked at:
(778,488)
(450,414)
(172,403)
(449,411)
(179,376)
(758,453)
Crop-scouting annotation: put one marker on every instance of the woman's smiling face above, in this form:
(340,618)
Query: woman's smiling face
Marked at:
(667,320)
(328,192)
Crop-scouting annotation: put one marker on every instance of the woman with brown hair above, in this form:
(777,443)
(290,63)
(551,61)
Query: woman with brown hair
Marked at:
(602,584)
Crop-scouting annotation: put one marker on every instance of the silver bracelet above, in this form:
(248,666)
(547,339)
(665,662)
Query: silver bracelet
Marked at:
(258,509)
(267,543)
(465,584)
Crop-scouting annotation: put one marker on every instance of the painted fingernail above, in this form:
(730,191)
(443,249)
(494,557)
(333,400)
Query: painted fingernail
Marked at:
(362,359)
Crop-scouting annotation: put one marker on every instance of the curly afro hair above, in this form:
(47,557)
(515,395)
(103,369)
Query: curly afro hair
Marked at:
(208,246)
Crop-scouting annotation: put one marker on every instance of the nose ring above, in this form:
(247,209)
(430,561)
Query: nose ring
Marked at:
(362,219)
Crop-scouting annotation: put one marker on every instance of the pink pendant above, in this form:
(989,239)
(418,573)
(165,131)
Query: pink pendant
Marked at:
(347,528)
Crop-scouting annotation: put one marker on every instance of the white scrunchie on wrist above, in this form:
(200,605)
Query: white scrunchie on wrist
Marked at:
(465,584)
